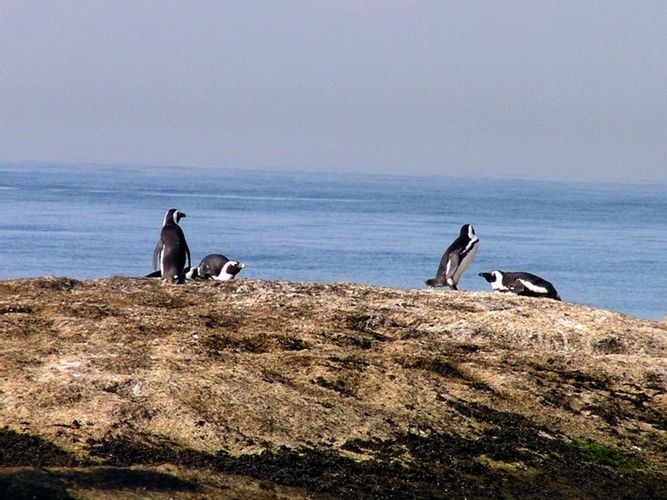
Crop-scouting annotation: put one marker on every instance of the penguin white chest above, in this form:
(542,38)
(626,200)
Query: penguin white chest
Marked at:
(223,276)
(466,261)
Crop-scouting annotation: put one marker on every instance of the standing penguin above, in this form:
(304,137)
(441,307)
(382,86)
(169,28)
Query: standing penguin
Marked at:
(171,251)
(219,267)
(521,283)
(456,259)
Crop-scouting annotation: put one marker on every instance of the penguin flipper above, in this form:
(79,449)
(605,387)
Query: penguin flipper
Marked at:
(156,254)
(187,252)
(448,266)
(517,287)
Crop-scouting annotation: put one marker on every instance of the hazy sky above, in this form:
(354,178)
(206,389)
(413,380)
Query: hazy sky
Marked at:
(533,89)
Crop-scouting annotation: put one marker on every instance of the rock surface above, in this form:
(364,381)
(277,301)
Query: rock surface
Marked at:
(132,388)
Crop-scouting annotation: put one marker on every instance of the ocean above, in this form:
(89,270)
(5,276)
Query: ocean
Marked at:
(600,244)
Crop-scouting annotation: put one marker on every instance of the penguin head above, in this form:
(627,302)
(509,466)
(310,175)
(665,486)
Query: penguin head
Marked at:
(467,230)
(487,276)
(173,216)
(494,277)
(231,269)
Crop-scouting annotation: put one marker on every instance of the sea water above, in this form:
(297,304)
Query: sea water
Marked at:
(599,244)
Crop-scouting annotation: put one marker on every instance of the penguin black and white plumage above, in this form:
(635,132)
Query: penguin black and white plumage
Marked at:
(456,259)
(521,283)
(218,267)
(172,252)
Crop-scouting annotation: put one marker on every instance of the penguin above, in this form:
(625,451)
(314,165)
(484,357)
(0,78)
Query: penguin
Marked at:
(521,283)
(218,267)
(171,251)
(456,259)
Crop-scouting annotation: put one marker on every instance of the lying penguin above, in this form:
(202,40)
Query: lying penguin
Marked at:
(218,267)
(521,283)
(214,266)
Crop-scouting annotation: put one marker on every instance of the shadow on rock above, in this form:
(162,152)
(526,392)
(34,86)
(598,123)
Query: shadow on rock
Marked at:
(18,449)
(42,483)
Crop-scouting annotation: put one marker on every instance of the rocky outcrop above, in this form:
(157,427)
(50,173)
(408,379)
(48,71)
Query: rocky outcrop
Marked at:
(265,389)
